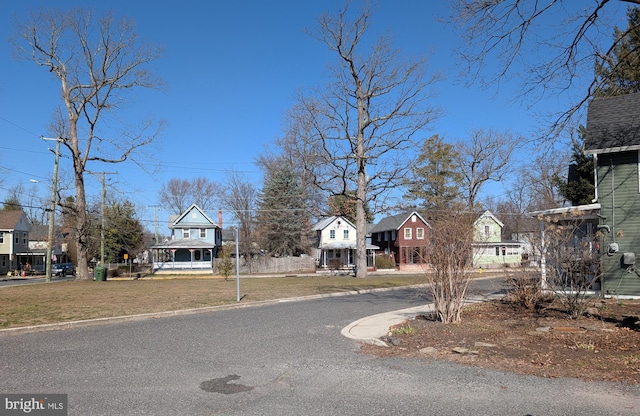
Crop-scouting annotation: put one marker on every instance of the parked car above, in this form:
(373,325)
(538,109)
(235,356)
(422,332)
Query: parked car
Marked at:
(63,269)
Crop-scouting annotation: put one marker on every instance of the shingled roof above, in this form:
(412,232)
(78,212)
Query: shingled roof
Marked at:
(613,124)
(394,222)
(10,219)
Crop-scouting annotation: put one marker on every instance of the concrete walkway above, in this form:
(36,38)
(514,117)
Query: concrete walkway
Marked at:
(371,329)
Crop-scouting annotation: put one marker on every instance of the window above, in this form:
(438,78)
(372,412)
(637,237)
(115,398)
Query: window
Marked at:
(512,250)
(185,233)
(487,231)
(24,238)
(17,238)
(407,233)
(420,233)
(332,234)
(346,234)
(413,255)
(2,237)
(203,233)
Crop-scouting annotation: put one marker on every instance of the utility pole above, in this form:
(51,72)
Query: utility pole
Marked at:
(235,231)
(103,197)
(52,212)
(155,221)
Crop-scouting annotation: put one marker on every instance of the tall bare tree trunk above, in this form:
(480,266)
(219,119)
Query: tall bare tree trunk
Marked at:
(361,190)
(98,61)
(82,233)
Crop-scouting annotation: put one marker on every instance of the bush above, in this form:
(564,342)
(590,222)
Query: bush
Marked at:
(524,287)
(385,261)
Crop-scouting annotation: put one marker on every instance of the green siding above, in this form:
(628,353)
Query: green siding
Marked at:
(502,260)
(619,198)
(496,231)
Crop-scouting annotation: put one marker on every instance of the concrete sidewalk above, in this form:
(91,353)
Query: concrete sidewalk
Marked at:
(371,329)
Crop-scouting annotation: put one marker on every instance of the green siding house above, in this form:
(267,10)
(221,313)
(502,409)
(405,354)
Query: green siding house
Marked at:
(489,249)
(613,138)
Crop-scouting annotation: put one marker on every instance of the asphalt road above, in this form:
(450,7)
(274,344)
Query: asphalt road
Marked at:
(16,281)
(284,358)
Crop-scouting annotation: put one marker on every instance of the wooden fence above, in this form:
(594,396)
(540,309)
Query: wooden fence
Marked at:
(262,265)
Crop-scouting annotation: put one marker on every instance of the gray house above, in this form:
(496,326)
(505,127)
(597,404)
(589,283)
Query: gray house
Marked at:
(613,138)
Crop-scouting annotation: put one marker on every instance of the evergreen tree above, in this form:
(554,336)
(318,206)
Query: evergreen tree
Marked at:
(282,216)
(12,204)
(619,73)
(123,233)
(579,188)
(436,179)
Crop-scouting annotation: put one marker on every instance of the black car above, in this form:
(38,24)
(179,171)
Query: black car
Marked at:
(63,269)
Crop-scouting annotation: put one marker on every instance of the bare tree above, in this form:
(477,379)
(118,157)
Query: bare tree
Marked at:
(484,157)
(450,255)
(176,195)
(538,179)
(366,117)
(550,45)
(205,193)
(179,194)
(98,61)
(240,197)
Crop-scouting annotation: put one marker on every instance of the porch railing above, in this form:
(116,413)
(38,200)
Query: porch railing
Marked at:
(182,265)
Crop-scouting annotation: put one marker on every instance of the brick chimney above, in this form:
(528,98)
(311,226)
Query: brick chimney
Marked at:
(220,218)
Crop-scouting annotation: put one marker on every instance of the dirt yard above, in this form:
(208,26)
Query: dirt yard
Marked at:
(544,342)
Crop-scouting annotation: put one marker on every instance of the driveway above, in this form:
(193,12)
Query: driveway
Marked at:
(286,358)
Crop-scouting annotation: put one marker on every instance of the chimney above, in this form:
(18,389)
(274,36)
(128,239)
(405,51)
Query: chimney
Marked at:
(220,218)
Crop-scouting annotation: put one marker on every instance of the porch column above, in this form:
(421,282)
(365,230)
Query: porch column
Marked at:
(543,259)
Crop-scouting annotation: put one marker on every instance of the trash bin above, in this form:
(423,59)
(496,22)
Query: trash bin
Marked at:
(100,274)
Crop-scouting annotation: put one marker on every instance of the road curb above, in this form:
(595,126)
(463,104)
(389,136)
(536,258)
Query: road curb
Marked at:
(370,329)
(158,315)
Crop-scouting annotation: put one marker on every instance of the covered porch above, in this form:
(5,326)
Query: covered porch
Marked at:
(183,255)
(342,255)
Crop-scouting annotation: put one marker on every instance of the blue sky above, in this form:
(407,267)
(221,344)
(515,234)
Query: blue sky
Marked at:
(232,69)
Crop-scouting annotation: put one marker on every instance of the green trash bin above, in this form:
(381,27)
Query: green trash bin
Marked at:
(101,274)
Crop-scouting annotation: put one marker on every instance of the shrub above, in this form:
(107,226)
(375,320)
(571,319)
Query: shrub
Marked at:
(524,287)
(385,261)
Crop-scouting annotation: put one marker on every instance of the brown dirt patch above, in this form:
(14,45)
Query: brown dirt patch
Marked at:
(542,342)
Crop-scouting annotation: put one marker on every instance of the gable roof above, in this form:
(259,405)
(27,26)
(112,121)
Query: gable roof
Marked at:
(10,219)
(488,214)
(322,224)
(175,221)
(394,222)
(613,124)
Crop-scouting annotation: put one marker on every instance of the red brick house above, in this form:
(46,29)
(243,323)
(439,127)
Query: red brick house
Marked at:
(405,237)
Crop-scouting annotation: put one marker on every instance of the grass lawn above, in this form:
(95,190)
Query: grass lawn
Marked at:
(34,304)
